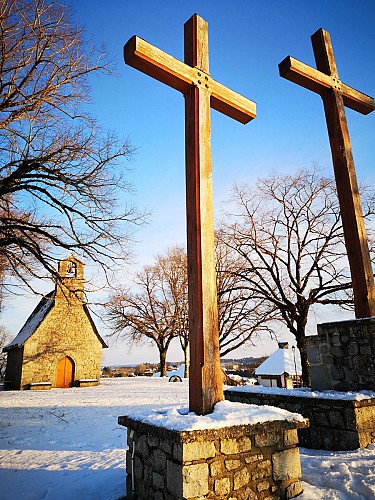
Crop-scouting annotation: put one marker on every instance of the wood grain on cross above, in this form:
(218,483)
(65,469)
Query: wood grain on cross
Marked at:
(336,95)
(201,92)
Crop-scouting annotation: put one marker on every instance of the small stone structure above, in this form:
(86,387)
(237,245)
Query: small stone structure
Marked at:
(342,356)
(59,345)
(242,462)
(335,423)
(342,359)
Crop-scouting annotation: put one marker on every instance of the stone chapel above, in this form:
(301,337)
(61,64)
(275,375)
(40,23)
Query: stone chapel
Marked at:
(59,345)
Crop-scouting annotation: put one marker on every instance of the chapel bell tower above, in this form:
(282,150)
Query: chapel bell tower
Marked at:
(71,272)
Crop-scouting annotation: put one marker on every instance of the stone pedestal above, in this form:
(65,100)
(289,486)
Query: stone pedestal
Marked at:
(239,462)
(342,356)
(335,423)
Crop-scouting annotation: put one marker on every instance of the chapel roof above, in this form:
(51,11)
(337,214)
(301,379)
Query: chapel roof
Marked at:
(37,316)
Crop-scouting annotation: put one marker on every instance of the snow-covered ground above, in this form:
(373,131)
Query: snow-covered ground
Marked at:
(67,444)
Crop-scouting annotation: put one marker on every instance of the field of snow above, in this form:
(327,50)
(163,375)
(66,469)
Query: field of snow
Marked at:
(66,443)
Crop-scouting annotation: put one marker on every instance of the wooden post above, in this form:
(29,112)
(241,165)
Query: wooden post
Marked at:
(201,93)
(205,381)
(336,95)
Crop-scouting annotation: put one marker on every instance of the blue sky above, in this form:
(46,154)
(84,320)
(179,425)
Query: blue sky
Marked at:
(247,40)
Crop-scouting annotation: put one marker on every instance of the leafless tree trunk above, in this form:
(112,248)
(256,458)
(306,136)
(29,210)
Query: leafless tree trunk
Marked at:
(186,360)
(288,234)
(4,339)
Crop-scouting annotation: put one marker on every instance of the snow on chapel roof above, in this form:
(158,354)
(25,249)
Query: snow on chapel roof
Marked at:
(33,321)
(281,361)
(36,318)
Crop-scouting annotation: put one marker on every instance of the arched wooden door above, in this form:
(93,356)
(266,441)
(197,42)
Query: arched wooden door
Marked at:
(65,372)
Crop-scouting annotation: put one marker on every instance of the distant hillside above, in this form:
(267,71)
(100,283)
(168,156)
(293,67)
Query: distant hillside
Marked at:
(243,366)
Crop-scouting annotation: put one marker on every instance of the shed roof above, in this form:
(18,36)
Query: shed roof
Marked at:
(281,361)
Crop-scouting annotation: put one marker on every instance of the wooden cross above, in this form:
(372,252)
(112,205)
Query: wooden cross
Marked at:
(201,91)
(336,95)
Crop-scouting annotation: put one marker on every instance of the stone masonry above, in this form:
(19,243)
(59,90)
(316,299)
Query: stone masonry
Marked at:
(342,356)
(335,424)
(233,463)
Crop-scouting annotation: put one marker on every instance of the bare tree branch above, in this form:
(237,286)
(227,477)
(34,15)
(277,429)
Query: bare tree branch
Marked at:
(62,178)
(288,235)
(157,313)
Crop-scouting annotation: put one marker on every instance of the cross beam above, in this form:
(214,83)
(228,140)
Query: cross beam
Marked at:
(201,92)
(163,67)
(336,95)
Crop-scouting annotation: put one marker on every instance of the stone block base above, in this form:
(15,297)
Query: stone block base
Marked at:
(240,462)
(342,356)
(335,424)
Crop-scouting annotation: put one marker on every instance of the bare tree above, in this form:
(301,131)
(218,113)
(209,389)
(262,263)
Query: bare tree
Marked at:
(173,272)
(61,175)
(289,236)
(157,311)
(242,315)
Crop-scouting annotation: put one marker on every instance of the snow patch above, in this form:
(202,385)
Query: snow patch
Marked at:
(306,393)
(225,414)
(66,443)
(281,361)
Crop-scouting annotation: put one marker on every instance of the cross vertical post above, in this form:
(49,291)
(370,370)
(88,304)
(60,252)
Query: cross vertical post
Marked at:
(205,381)
(335,96)
(201,92)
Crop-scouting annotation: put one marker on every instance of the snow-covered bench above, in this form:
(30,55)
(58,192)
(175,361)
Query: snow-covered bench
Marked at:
(39,386)
(87,382)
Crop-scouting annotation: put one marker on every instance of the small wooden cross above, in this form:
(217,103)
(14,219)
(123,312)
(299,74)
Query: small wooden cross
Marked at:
(201,92)
(336,95)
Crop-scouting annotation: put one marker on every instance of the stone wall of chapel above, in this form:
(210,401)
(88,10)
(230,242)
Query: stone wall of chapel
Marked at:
(65,331)
(14,368)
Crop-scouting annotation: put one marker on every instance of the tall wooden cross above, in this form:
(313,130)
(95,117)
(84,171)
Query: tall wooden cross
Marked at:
(201,91)
(336,95)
